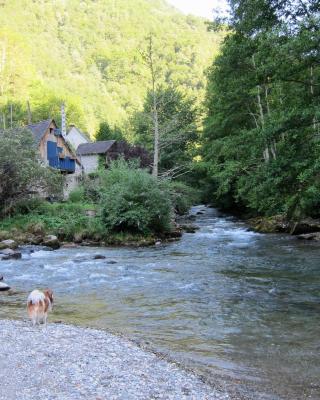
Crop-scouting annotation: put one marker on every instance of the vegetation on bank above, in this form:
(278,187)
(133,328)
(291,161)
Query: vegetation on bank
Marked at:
(261,141)
(123,204)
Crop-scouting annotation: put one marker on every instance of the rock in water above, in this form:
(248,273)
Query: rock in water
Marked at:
(51,241)
(310,236)
(8,244)
(4,287)
(99,257)
(8,254)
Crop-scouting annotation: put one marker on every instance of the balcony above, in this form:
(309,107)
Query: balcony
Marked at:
(65,164)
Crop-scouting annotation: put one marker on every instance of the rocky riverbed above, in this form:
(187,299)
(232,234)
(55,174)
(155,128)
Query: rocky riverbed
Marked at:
(66,362)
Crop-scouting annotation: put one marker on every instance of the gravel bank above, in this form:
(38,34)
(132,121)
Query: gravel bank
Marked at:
(67,362)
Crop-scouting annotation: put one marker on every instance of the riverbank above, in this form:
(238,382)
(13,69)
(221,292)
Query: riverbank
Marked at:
(67,362)
(59,224)
(306,228)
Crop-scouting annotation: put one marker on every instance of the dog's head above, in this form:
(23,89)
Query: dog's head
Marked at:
(49,294)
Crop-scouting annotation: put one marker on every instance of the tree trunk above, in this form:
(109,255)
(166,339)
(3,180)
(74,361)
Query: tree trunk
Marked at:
(155,116)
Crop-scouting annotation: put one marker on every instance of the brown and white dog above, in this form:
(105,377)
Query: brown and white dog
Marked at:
(38,305)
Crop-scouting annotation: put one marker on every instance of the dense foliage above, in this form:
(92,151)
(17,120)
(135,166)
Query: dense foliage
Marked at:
(178,129)
(132,200)
(105,132)
(88,53)
(261,141)
(21,174)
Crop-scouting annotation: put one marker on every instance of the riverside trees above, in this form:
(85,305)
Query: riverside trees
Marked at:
(261,141)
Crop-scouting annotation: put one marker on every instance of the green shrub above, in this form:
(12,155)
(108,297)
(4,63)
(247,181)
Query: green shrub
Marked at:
(27,206)
(133,201)
(77,195)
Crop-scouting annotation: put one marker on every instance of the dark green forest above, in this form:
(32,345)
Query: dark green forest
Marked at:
(261,143)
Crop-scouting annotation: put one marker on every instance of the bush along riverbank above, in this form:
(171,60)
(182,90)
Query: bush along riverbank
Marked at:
(121,206)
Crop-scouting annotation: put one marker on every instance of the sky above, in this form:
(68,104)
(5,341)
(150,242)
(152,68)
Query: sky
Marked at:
(202,8)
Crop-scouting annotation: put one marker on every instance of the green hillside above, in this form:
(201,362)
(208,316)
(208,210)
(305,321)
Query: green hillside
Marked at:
(88,53)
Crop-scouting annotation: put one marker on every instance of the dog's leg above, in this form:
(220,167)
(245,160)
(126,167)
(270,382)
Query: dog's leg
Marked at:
(34,320)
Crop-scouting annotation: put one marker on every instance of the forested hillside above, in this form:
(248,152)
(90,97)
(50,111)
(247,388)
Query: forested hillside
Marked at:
(262,135)
(89,54)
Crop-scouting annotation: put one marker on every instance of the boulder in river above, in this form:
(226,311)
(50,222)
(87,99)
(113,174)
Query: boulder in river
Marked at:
(51,241)
(4,287)
(99,257)
(8,244)
(8,254)
(189,228)
(310,236)
(306,225)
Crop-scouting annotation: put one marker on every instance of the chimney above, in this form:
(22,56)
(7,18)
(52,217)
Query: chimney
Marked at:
(63,121)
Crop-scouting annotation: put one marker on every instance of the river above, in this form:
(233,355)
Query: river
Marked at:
(238,307)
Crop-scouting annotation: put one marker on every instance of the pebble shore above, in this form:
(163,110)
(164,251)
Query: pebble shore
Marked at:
(67,362)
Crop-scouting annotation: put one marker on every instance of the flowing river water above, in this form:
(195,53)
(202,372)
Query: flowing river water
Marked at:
(238,307)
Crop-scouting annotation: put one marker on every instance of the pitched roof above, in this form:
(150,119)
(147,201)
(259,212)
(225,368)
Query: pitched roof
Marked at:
(39,129)
(84,135)
(95,148)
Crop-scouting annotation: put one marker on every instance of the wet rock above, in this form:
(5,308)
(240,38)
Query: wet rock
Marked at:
(8,244)
(99,257)
(1,278)
(78,237)
(189,228)
(51,241)
(274,224)
(310,236)
(8,254)
(4,287)
(176,233)
(307,225)
(36,240)
(111,262)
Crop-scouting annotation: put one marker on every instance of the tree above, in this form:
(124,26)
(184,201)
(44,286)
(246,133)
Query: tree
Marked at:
(105,132)
(261,139)
(177,129)
(21,174)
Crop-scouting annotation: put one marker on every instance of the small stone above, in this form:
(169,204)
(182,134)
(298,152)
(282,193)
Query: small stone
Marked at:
(4,287)
(99,257)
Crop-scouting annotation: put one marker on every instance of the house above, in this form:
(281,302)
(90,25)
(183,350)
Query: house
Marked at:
(75,137)
(56,152)
(90,153)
